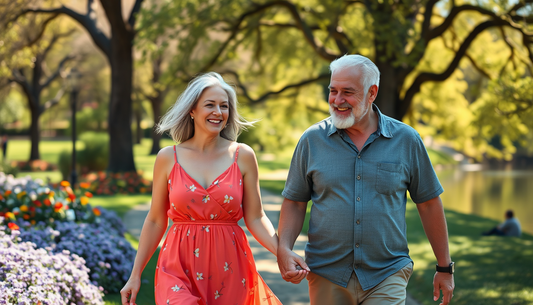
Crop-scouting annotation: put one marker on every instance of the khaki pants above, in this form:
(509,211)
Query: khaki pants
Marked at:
(389,292)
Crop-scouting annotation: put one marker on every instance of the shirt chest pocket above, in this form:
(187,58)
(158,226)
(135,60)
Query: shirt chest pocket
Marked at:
(388,178)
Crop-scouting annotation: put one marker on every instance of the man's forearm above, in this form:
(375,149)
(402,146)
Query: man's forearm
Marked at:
(432,215)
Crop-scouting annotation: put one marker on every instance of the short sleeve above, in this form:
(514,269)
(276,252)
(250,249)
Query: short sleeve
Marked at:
(298,186)
(424,184)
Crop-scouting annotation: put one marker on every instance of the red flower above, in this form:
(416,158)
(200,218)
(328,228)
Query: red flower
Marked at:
(47,202)
(37,203)
(13,226)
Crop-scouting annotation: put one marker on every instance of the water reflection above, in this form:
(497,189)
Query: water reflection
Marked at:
(489,193)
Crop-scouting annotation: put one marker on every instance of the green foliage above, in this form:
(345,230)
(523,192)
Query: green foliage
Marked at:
(64,163)
(504,117)
(95,155)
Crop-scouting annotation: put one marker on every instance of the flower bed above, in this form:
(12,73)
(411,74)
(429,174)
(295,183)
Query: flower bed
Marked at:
(103,183)
(34,166)
(60,219)
(30,275)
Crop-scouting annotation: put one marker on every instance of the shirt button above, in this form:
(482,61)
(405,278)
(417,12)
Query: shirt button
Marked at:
(358,157)
(357,245)
(358,222)
(358,177)
(358,199)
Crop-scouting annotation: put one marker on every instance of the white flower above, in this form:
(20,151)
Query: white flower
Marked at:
(206,198)
(192,188)
(176,288)
(217,295)
(197,252)
(243,282)
(226,267)
(188,232)
(213,216)
(227,199)
(71,216)
(199,276)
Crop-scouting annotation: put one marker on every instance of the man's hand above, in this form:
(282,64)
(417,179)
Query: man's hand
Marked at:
(443,281)
(291,266)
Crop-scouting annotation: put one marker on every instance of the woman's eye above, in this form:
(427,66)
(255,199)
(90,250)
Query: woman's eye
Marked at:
(224,106)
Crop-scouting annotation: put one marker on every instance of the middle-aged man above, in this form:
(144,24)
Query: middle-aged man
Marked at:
(356,167)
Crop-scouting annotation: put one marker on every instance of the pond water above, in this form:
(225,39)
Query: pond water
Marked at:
(489,193)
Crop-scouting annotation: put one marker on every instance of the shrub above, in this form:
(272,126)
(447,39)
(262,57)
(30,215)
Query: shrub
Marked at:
(30,276)
(34,166)
(95,155)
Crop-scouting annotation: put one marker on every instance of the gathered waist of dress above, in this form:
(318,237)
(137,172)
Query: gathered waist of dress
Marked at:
(204,222)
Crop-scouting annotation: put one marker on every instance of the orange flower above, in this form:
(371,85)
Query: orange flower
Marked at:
(1,197)
(13,226)
(51,194)
(7,193)
(24,208)
(89,194)
(58,206)
(85,185)
(10,215)
(33,222)
(26,216)
(84,200)
(97,212)
(47,202)
(65,183)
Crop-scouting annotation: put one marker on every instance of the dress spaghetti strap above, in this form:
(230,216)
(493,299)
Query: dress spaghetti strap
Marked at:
(175,155)
(237,152)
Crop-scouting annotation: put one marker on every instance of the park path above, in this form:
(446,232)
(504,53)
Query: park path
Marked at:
(289,294)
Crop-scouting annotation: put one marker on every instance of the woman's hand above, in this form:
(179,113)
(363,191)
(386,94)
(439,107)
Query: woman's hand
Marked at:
(128,294)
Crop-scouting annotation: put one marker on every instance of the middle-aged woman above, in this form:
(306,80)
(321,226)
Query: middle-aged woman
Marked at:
(205,185)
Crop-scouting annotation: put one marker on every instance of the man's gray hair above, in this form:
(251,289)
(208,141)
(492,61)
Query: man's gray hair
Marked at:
(369,70)
(178,120)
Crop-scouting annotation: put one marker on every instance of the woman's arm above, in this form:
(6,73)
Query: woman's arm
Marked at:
(154,226)
(254,215)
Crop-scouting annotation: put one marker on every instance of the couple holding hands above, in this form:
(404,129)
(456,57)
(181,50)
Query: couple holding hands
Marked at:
(356,166)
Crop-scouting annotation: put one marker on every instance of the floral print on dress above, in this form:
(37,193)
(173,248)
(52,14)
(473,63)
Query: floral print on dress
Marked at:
(205,220)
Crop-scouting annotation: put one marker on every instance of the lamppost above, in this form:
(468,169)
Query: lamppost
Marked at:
(73,80)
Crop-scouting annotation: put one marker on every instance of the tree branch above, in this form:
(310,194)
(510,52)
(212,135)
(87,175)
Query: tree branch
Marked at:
(98,37)
(57,72)
(133,14)
(51,103)
(426,76)
(265,96)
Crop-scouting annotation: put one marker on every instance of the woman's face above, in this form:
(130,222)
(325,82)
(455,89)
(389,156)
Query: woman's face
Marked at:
(211,111)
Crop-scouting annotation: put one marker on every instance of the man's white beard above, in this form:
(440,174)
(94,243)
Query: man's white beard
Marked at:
(339,122)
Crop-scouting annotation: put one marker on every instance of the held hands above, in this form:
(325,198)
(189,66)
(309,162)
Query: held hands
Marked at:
(130,290)
(443,281)
(291,266)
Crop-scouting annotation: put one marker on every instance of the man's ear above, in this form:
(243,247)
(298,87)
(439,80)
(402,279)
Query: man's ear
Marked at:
(372,93)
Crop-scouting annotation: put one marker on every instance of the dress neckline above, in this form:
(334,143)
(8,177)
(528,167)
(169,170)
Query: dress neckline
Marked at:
(215,182)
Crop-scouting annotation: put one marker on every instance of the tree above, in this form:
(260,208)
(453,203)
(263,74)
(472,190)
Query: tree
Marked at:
(395,35)
(29,69)
(117,46)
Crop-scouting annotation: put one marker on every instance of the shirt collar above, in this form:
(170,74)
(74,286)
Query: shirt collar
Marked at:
(383,124)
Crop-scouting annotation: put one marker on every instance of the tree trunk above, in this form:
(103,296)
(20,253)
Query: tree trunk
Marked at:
(138,129)
(35,135)
(388,93)
(120,106)
(156,110)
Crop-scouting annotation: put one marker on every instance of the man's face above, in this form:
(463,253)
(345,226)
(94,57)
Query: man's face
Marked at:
(347,100)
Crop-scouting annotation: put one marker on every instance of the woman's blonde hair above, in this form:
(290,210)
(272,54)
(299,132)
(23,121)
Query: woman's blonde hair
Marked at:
(178,120)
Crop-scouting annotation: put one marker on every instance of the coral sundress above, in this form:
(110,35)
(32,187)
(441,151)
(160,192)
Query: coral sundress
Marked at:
(206,258)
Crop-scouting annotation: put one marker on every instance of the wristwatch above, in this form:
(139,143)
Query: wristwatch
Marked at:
(449,269)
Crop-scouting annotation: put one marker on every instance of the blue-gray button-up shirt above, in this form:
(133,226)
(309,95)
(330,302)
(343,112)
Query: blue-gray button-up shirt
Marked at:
(359,198)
